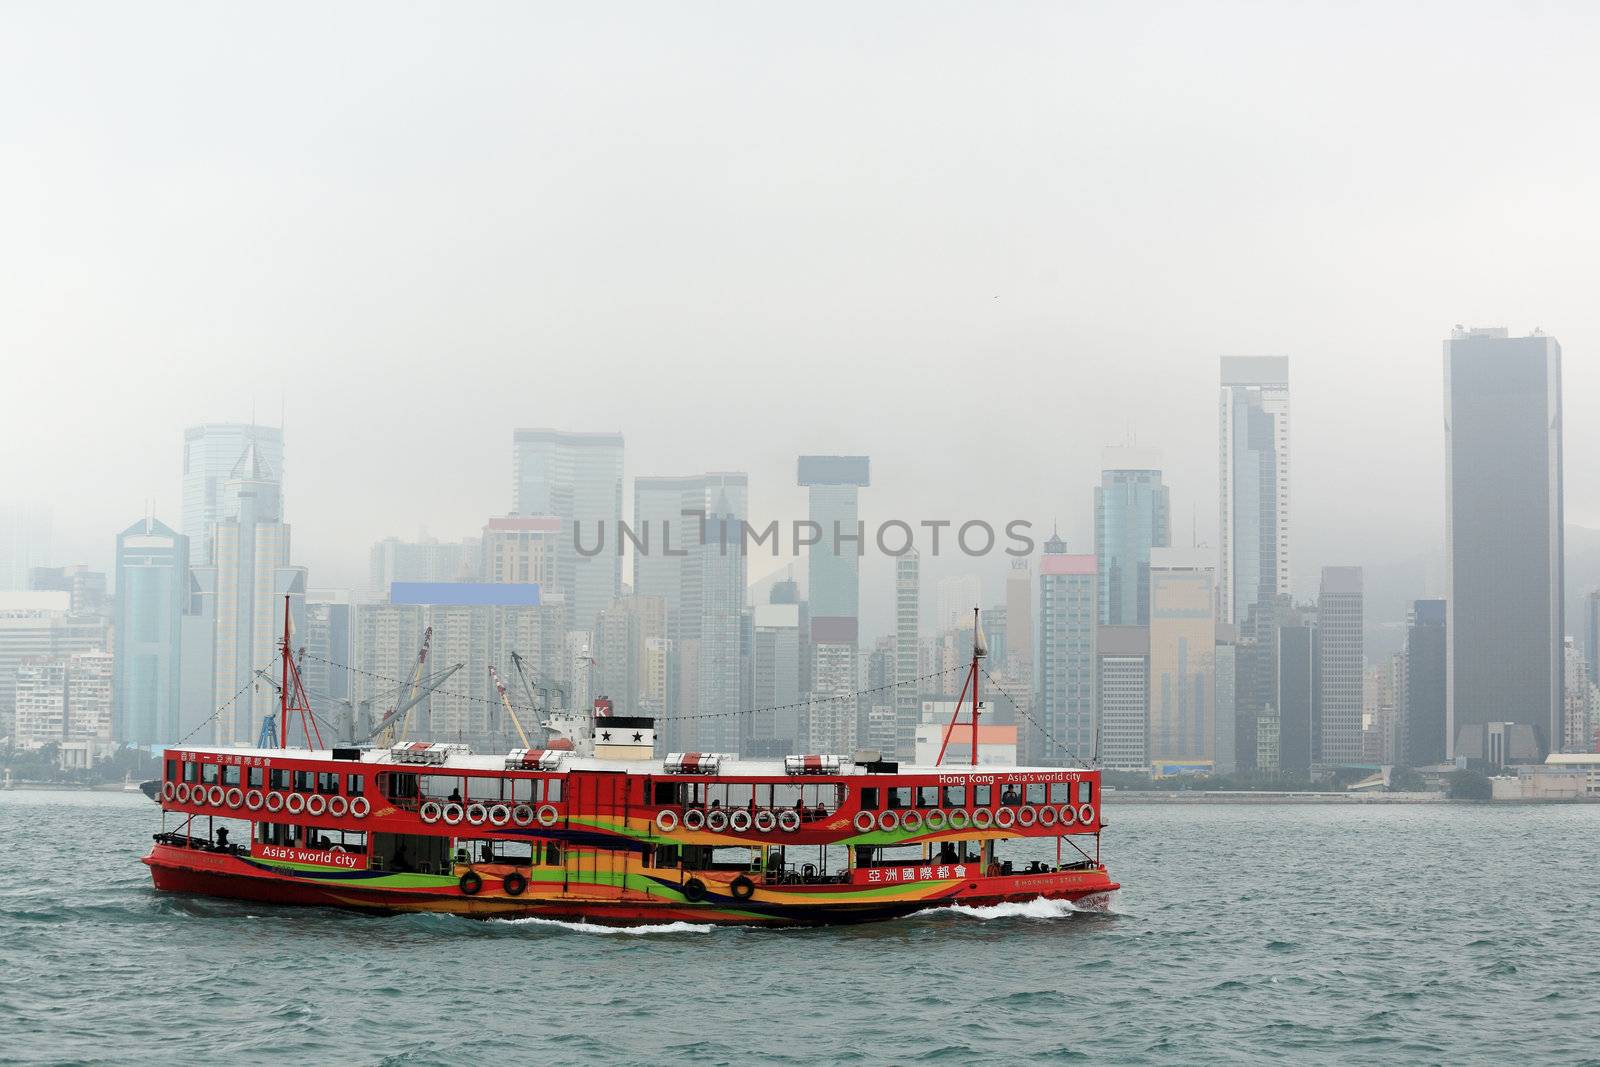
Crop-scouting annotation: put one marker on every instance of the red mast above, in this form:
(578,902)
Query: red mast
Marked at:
(978,652)
(292,692)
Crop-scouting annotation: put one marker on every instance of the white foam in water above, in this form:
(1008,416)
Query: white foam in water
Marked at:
(597,928)
(1037,908)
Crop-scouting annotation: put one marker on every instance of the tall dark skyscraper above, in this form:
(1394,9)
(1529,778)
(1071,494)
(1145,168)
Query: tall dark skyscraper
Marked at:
(1503,613)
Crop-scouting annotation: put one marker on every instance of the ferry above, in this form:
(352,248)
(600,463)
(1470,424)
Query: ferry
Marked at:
(594,827)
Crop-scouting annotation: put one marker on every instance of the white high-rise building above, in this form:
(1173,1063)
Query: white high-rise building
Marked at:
(957,596)
(1254,498)
(907,700)
(210,453)
(1340,661)
(577,478)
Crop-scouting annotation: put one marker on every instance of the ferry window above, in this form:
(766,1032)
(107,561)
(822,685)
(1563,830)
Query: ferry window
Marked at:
(717,795)
(764,795)
(280,778)
(927,796)
(327,782)
(355,784)
(208,773)
(230,774)
(517,852)
(869,798)
(785,795)
(900,796)
(521,789)
(1060,792)
(740,794)
(172,770)
(552,854)
(665,793)
(303,781)
(1085,792)
(190,771)
(479,788)
(955,796)
(1035,792)
(552,789)
(666,856)
(442,787)
(1010,796)
(257,776)
(982,796)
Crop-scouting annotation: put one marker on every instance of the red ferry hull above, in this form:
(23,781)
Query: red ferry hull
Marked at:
(178,870)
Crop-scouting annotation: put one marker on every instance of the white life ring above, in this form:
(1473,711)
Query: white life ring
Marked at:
(338,806)
(1069,815)
(169,791)
(889,820)
(766,822)
(522,815)
(274,801)
(548,815)
(912,820)
(429,812)
(451,813)
(182,792)
(1026,817)
(959,819)
(1086,814)
(937,819)
(865,821)
(716,820)
(215,795)
(788,820)
(694,819)
(294,803)
(316,804)
(499,814)
(253,799)
(359,806)
(1047,816)
(982,818)
(739,821)
(1005,818)
(666,821)
(235,797)
(477,813)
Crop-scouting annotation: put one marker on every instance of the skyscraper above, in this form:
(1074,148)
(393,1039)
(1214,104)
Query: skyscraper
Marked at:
(1341,660)
(1068,619)
(250,565)
(210,452)
(907,700)
(1019,620)
(1422,729)
(957,596)
(1131,516)
(24,544)
(1503,561)
(152,591)
(1591,630)
(722,609)
(1124,687)
(834,578)
(775,680)
(1183,639)
(577,478)
(1254,466)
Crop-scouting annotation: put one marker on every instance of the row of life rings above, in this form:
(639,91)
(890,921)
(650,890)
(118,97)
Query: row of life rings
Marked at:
(477,814)
(981,818)
(314,804)
(738,820)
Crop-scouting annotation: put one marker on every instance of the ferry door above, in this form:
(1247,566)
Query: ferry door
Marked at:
(592,868)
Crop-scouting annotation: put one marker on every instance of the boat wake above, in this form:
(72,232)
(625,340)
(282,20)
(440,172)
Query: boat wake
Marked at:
(597,928)
(1037,908)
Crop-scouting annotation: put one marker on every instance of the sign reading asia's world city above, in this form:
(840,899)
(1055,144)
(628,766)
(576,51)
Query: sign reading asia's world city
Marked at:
(313,856)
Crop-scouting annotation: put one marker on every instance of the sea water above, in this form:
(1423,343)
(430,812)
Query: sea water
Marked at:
(1244,934)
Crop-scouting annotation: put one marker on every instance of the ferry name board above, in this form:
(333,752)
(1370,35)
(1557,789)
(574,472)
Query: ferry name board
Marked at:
(314,856)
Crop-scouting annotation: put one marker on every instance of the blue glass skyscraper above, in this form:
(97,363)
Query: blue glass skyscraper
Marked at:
(1131,516)
(152,589)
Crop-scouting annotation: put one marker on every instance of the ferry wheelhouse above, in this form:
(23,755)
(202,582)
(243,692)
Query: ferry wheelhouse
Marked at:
(596,827)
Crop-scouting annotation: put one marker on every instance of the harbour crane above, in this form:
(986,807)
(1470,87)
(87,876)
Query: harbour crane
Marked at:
(505,701)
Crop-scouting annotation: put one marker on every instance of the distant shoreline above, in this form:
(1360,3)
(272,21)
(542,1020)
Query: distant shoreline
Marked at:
(1195,796)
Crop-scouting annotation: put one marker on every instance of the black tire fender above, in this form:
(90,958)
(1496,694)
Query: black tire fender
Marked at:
(515,884)
(742,888)
(694,891)
(471,883)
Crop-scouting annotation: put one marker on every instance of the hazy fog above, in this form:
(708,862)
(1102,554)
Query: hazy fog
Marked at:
(974,242)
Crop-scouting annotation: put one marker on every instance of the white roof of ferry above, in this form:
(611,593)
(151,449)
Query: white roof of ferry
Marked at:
(462,761)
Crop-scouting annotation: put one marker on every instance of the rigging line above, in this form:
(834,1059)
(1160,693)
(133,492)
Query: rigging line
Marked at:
(226,705)
(1018,709)
(672,718)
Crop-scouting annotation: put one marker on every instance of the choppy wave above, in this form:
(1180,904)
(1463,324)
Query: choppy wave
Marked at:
(1037,908)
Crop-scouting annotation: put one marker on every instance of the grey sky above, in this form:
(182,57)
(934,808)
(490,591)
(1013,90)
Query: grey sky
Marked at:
(977,242)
